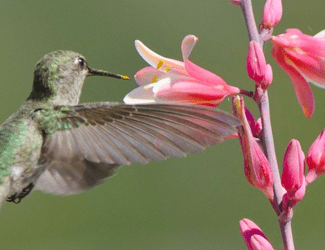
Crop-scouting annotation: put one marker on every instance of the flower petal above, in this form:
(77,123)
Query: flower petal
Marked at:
(148,75)
(320,35)
(192,69)
(192,92)
(302,89)
(187,46)
(140,95)
(158,61)
(310,67)
(203,75)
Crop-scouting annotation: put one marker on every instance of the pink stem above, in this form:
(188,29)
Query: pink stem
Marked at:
(246,93)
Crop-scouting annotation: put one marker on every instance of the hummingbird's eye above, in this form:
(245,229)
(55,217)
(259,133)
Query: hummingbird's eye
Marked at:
(82,62)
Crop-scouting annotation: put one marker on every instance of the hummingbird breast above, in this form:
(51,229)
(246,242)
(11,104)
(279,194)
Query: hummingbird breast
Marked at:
(20,149)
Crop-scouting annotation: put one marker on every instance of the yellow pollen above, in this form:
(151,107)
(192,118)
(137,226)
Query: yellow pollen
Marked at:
(125,78)
(154,79)
(167,68)
(160,63)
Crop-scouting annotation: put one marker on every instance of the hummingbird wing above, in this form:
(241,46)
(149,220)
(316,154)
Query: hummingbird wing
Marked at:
(83,144)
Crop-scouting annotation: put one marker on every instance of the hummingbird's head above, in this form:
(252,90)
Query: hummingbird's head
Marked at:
(59,77)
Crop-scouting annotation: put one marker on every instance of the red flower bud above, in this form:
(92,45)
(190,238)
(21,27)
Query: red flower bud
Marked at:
(256,62)
(235,2)
(253,236)
(268,78)
(316,158)
(272,14)
(293,179)
(257,168)
(256,126)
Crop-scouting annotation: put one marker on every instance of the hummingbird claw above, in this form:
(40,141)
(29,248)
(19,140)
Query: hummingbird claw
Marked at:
(17,198)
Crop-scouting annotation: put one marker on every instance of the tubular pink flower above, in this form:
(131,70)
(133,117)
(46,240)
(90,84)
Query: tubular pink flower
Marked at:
(293,178)
(253,236)
(302,57)
(168,80)
(316,158)
(272,13)
(257,168)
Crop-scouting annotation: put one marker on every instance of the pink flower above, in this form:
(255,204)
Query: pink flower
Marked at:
(302,57)
(293,178)
(257,69)
(253,236)
(272,14)
(168,80)
(316,158)
(257,168)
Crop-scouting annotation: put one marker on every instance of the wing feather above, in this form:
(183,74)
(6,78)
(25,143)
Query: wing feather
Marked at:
(90,140)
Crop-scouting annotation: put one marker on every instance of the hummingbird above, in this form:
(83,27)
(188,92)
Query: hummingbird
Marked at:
(56,145)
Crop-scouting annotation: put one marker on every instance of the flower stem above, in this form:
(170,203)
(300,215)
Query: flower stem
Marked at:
(268,145)
(262,100)
(247,9)
(246,93)
(286,233)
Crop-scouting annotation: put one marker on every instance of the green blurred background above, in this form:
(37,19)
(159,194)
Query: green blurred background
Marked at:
(181,204)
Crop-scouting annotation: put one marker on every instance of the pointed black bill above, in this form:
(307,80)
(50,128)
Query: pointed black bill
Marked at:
(96,72)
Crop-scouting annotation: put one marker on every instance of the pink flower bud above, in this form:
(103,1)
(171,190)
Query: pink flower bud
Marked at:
(316,158)
(256,62)
(235,2)
(268,78)
(256,126)
(272,13)
(257,168)
(293,179)
(260,243)
(253,236)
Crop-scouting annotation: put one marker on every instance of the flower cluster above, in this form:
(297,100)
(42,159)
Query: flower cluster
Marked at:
(301,56)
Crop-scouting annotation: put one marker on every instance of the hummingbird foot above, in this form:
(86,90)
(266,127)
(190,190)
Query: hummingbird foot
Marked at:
(15,198)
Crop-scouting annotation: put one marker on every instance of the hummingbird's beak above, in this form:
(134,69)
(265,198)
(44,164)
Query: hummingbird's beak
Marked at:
(96,72)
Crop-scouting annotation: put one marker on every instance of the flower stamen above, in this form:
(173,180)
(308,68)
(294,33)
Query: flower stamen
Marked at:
(160,63)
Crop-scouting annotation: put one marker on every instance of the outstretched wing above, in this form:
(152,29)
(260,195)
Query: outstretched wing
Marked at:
(84,143)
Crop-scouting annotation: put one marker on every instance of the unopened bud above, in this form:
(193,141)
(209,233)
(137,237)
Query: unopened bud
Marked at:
(316,158)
